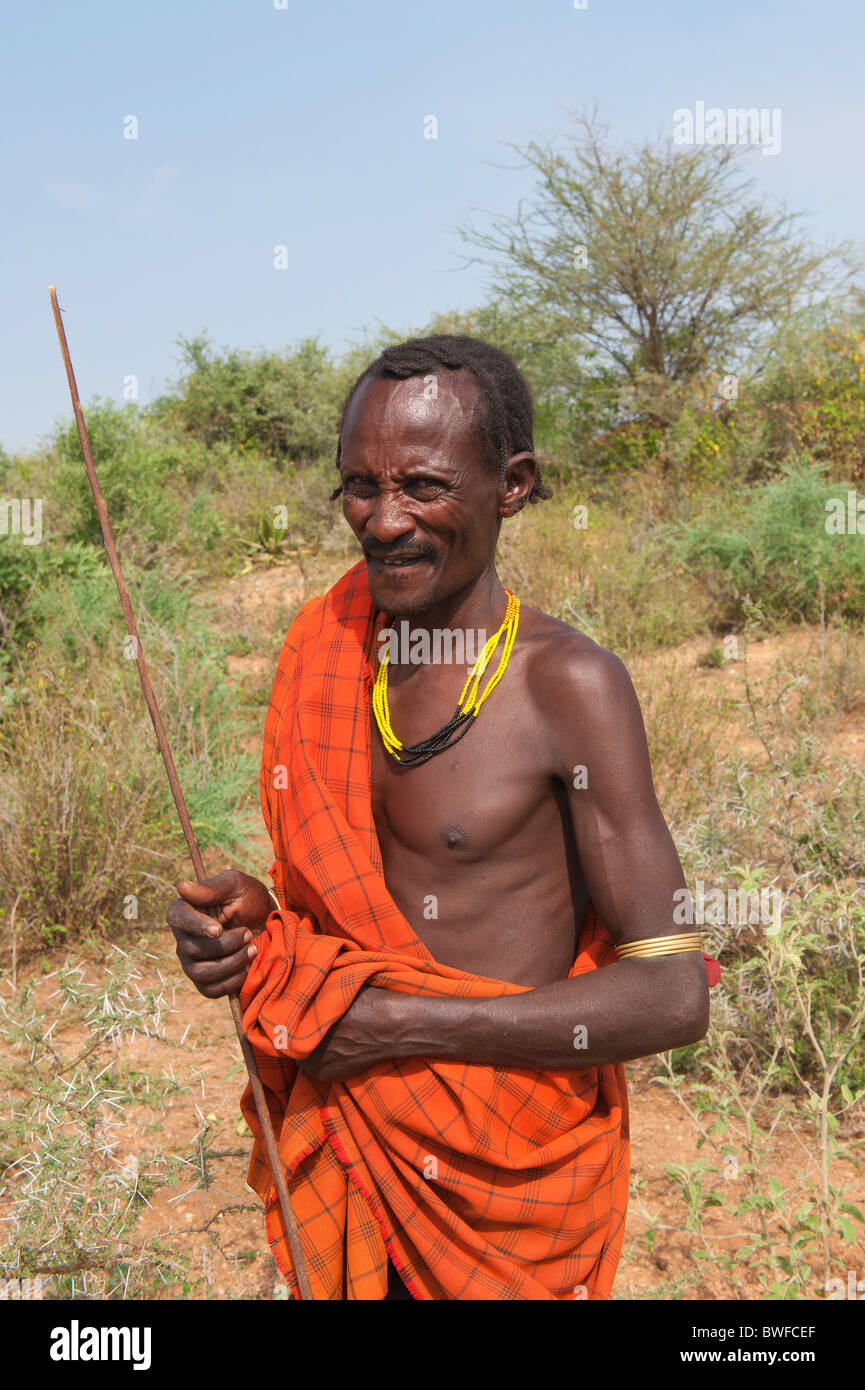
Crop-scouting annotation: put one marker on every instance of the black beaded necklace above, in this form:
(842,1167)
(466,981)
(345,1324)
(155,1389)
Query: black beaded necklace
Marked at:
(468,705)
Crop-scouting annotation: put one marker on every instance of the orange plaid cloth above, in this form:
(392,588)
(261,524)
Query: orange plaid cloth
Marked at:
(480,1182)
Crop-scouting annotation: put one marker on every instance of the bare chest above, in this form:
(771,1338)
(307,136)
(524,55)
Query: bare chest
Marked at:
(466,803)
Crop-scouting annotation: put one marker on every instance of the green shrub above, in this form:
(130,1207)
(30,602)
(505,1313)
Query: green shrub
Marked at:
(812,394)
(771,543)
(285,405)
(27,573)
(87,816)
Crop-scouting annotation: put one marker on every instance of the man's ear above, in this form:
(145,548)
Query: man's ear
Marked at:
(519,479)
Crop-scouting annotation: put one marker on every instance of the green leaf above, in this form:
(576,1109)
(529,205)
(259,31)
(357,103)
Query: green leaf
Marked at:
(749,1203)
(847,1229)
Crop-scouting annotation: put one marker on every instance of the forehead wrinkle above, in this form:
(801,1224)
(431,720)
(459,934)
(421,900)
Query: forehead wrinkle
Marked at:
(413,421)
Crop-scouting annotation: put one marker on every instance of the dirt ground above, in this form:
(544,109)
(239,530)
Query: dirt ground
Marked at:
(661,1131)
(229,1258)
(233,1261)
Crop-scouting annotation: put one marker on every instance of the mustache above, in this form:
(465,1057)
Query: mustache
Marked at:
(397,553)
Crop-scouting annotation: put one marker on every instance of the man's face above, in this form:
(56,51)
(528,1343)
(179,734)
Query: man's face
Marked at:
(416,491)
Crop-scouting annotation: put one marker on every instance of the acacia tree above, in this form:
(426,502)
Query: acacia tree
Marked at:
(655,263)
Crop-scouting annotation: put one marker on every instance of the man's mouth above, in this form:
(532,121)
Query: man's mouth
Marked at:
(397,562)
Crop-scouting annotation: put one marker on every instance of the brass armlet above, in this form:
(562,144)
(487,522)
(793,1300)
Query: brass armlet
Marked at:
(661,945)
(275,898)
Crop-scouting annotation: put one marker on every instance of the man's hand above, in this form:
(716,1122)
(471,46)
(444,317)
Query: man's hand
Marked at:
(363,1036)
(215,947)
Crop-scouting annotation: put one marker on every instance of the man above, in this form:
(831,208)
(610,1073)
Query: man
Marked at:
(438,1005)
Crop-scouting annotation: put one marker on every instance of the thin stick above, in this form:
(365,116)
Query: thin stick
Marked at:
(14,929)
(276,1167)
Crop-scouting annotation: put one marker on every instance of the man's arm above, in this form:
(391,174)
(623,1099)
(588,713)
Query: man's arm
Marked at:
(630,1009)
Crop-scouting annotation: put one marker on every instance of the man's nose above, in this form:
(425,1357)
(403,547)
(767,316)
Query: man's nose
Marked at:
(388,519)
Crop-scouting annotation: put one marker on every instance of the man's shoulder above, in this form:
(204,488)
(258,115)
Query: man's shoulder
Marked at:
(306,619)
(569,673)
(350,590)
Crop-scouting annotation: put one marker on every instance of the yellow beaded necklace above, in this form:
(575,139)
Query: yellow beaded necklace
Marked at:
(468,705)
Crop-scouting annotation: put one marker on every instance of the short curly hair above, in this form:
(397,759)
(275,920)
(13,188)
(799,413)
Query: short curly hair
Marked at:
(508,418)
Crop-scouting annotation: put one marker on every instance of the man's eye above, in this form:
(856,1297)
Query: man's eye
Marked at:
(425,486)
(360,487)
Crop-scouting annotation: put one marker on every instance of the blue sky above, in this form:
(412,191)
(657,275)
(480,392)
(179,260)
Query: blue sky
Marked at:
(304,126)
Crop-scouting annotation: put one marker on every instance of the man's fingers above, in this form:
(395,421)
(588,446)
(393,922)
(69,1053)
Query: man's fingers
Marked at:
(232,986)
(213,924)
(213,972)
(195,948)
(181,916)
(217,889)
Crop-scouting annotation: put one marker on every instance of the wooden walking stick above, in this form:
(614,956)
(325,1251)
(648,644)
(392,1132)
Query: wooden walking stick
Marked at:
(276,1168)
